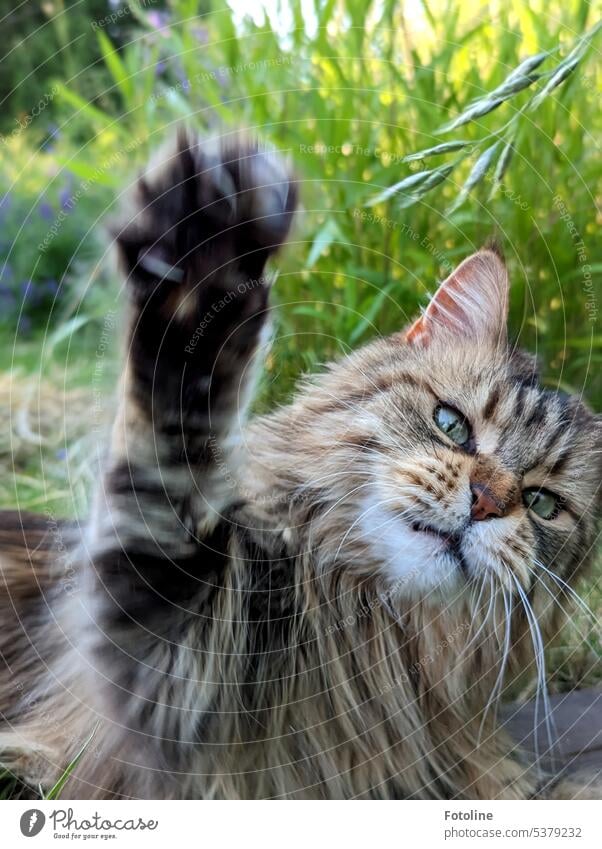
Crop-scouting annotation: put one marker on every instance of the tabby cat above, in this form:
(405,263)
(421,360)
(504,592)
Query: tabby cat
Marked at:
(324,602)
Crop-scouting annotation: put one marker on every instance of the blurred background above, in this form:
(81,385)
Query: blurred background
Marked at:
(418,130)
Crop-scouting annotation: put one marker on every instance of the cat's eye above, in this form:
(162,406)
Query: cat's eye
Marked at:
(452,423)
(543,502)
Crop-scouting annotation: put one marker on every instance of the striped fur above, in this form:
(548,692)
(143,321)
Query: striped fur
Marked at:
(262,610)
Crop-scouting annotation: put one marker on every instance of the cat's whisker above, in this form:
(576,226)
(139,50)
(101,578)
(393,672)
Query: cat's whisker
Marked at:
(346,495)
(492,595)
(360,536)
(557,603)
(542,689)
(498,685)
(473,603)
(555,600)
(377,505)
(569,591)
(499,621)
(554,597)
(307,487)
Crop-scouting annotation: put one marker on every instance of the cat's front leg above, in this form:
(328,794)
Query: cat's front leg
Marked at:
(203,221)
(206,218)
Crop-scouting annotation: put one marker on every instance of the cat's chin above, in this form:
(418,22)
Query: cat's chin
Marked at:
(439,581)
(419,559)
(416,561)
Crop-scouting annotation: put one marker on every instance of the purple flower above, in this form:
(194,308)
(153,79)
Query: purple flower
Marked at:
(6,273)
(24,324)
(158,19)
(184,81)
(53,133)
(7,296)
(28,291)
(65,198)
(160,68)
(45,211)
(201,34)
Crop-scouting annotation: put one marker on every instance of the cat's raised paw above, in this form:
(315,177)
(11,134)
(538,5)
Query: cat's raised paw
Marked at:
(206,213)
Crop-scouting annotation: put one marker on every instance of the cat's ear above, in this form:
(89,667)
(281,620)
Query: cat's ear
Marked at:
(471,303)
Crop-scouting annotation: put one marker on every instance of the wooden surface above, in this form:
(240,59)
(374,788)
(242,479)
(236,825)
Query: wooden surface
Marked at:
(577,730)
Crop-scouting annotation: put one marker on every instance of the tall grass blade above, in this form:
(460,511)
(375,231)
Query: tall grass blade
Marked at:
(56,790)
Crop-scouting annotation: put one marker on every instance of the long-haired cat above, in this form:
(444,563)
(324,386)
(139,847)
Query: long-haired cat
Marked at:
(324,602)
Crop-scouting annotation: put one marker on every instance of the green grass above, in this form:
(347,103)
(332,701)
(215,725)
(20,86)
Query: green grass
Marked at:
(12,788)
(351,103)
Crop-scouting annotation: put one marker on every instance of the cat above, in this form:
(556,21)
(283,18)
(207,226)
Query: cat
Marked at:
(323,602)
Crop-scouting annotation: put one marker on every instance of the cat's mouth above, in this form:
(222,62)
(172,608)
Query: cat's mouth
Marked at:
(452,541)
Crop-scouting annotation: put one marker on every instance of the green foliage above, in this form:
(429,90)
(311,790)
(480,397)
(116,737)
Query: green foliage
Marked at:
(518,80)
(12,788)
(46,239)
(43,38)
(57,789)
(359,100)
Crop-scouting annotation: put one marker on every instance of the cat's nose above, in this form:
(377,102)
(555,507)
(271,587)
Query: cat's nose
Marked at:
(484,505)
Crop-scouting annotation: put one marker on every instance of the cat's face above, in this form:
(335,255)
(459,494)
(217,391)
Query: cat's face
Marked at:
(466,467)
